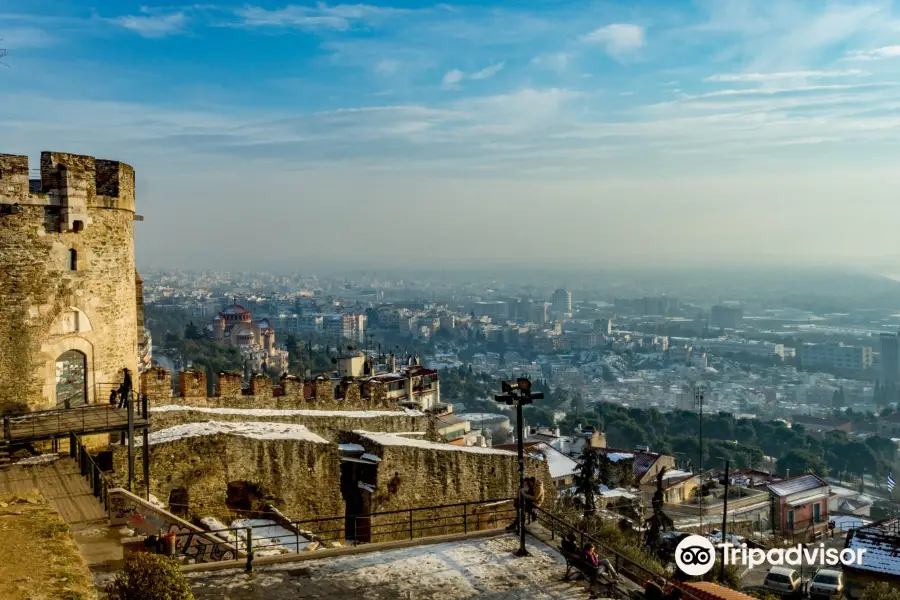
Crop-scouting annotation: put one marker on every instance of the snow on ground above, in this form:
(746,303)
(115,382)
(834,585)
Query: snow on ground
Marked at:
(267,412)
(38,460)
(394,439)
(255,429)
(351,448)
(269,538)
(484,568)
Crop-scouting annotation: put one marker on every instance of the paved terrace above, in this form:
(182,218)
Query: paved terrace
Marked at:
(476,568)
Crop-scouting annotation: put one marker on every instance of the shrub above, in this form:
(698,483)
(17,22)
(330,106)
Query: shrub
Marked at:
(881,591)
(150,577)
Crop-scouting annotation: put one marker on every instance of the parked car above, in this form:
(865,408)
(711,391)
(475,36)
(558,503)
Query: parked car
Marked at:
(784,581)
(826,583)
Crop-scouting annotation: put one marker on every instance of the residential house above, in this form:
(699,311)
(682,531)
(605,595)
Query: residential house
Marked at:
(678,487)
(752,479)
(586,437)
(562,467)
(844,501)
(451,426)
(818,426)
(881,560)
(801,504)
(889,426)
(646,464)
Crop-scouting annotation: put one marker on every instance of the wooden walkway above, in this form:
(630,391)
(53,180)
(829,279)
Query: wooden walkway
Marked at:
(61,483)
(83,420)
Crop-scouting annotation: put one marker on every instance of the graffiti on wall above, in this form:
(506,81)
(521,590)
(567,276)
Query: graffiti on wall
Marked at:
(146,519)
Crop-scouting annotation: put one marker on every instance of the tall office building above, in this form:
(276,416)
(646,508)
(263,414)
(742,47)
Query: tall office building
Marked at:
(726,316)
(562,302)
(890,357)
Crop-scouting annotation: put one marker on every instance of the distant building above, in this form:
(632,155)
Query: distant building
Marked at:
(820,425)
(890,357)
(661,306)
(836,356)
(235,327)
(726,316)
(562,302)
(496,310)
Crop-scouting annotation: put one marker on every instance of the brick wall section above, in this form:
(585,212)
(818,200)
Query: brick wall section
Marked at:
(330,425)
(261,387)
(37,289)
(300,478)
(410,476)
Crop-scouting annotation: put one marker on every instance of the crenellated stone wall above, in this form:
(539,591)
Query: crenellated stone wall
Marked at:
(292,392)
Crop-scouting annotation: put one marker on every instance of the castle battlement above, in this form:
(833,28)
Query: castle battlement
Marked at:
(67,180)
(291,392)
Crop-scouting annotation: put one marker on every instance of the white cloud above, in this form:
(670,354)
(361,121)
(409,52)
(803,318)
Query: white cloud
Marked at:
(784,75)
(454,77)
(556,61)
(387,66)
(619,39)
(487,72)
(339,17)
(877,54)
(153,26)
(16,38)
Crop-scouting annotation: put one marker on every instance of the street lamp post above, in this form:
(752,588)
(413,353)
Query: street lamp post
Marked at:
(518,393)
(698,397)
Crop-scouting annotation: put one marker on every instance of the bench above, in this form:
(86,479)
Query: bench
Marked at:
(574,561)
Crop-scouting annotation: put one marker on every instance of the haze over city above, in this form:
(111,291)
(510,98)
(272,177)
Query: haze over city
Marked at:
(265,134)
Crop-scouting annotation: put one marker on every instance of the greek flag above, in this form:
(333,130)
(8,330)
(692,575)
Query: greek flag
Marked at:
(890,483)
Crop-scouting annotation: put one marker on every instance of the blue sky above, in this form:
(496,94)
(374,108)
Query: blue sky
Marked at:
(750,119)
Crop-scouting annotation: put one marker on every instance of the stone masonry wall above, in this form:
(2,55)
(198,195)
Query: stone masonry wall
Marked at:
(300,478)
(291,393)
(327,424)
(47,309)
(411,476)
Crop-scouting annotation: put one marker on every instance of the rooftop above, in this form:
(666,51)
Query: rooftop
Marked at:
(881,542)
(795,485)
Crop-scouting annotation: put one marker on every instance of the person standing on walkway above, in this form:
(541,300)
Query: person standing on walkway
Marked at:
(125,389)
(534,498)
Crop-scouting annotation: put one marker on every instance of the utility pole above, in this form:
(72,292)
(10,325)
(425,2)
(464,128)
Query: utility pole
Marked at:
(724,523)
(518,393)
(698,397)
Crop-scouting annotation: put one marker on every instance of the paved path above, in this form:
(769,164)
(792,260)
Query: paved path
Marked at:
(61,483)
(484,569)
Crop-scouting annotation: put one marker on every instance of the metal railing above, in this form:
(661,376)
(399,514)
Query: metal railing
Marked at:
(88,466)
(408,524)
(628,567)
(59,422)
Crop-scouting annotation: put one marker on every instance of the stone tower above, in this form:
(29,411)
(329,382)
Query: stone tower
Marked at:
(69,305)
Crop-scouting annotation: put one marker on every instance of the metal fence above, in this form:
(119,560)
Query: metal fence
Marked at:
(624,565)
(88,418)
(408,524)
(88,466)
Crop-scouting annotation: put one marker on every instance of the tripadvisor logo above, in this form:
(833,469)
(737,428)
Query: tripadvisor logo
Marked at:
(696,555)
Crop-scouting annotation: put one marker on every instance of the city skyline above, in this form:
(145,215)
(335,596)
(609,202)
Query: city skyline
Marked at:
(676,133)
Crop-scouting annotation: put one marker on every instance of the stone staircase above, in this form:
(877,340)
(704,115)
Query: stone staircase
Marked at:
(5,458)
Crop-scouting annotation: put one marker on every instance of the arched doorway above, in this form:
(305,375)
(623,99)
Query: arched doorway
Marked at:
(71,379)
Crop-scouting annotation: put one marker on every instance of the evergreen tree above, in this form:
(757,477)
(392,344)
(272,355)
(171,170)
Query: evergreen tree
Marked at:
(659,522)
(586,484)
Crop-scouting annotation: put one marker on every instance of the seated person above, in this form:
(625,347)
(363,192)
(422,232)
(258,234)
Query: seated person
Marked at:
(590,555)
(569,544)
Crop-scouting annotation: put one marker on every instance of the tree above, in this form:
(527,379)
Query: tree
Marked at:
(881,591)
(192,332)
(150,577)
(798,462)
(586,484)
(659,522)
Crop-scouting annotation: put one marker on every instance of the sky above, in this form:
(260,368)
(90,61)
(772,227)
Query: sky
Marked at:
(539,132)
